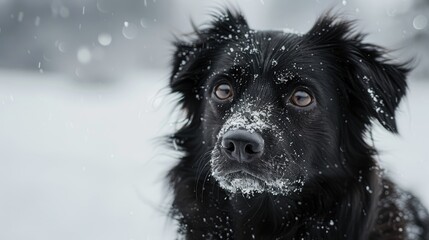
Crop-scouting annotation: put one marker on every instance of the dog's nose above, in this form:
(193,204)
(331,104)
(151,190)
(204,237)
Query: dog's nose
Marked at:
(242,146)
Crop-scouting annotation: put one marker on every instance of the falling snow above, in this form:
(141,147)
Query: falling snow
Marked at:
(66,35)
(84,55)
(104,39)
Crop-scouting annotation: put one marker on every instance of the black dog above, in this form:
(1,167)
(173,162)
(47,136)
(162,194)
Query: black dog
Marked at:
(274,140)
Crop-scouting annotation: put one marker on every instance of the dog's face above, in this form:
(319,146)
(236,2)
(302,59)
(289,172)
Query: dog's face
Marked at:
(270,113)
(274,110)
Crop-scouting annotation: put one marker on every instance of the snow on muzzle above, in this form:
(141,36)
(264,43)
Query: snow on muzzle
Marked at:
(247,119)
(246,125)
(240,137)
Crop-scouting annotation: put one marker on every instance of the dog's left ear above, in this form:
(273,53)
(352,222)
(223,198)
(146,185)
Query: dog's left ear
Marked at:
(381,83)
(374,84)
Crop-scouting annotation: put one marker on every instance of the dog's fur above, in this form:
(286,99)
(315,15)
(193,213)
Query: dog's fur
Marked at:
(317,177)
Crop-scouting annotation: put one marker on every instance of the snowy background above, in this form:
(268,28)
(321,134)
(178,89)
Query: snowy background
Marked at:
(83,103)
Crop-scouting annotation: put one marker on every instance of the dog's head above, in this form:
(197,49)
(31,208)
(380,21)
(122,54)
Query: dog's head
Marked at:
(269,111)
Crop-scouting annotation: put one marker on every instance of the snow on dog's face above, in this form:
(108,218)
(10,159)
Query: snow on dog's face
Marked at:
(264,123)
(265,117)
(270,111)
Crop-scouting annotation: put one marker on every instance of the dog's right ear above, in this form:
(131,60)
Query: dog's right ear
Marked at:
(188,69)
(193,59)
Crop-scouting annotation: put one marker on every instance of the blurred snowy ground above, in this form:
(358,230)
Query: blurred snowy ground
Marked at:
(84,163)
(79,163)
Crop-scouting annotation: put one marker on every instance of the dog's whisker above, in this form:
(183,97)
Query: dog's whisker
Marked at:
(200,170)
(203,186)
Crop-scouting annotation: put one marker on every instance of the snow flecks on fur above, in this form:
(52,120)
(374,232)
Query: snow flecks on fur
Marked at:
(378,103)
(274,63)
(285,76)
(248,186)
(244,117)
(408,215)
(253,118)
(412,230)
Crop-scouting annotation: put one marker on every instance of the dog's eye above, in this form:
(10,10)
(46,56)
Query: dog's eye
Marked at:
(301,98)
(223,91)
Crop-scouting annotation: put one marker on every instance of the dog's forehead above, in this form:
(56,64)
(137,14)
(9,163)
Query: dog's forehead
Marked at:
(256,54)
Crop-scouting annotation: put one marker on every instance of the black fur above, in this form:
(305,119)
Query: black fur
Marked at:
(337,189)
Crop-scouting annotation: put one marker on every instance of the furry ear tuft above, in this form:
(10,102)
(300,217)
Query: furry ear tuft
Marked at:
(227,23)
(192,57)
(375,84)
(382,83)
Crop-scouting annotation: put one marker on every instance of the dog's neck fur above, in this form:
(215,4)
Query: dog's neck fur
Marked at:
(309,213)
(338,210)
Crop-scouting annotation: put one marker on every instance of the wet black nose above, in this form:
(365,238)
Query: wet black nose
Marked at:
(242,146)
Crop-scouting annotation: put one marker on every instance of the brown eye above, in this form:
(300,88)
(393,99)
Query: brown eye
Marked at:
(223,91)
(301,98)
